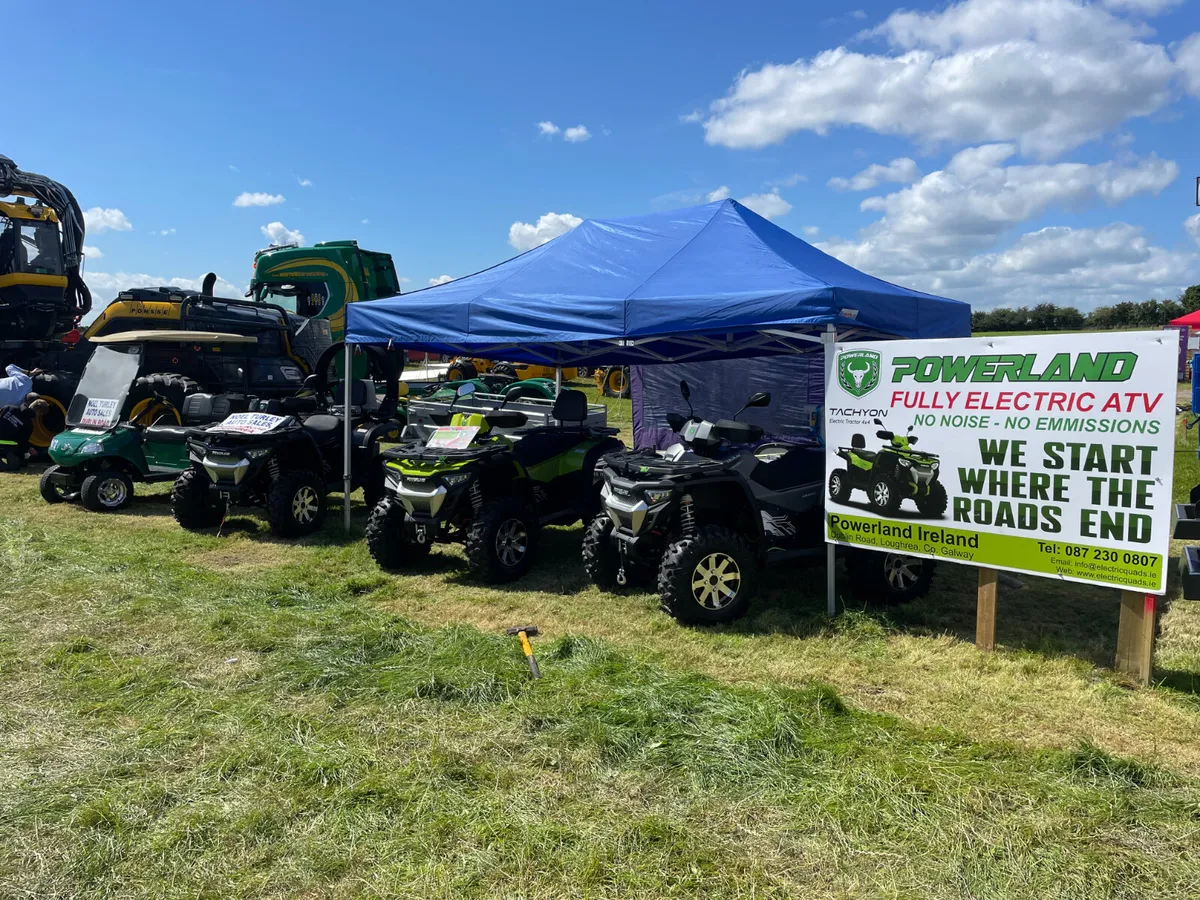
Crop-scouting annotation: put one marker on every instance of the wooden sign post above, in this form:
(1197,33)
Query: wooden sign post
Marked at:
(1135,634)
(985,610)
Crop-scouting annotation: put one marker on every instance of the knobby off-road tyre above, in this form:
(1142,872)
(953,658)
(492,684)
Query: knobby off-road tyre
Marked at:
(602,559)
(375,488)
(839,486)
(192,503)
(884,495)
(505,369)
(50,491)
(391,538)
(106,491)
(888,579)
(296,503)
(500,541)
(935,502)
(461,370)
(686,585)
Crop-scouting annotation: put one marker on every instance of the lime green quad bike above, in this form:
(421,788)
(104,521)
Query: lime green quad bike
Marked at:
(124,426)
(889,476)
(469,483)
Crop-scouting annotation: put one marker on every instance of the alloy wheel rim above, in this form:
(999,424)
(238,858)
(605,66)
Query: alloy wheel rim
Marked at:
(881,494)
(836,485)
(112,492)
(304,505)
(512,542)
(902,572)
(716,581)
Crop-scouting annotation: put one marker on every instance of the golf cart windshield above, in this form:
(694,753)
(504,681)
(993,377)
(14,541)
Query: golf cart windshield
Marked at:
(307,298)
(105,384)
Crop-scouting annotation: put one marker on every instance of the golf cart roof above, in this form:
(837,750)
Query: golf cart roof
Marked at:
(161,336)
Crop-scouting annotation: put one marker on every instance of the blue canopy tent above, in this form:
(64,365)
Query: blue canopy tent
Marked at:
(709,282)
(713,282)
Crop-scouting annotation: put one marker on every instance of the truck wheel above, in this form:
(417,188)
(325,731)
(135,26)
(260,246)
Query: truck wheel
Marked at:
(192,504)
(106,491)
(885,495)
(296,503)
(709,578)
(391,537)
(500,541)
(11,460)
(505,369)
(50,491)
(888,578)
(839,486)
(616,381)
(934,503)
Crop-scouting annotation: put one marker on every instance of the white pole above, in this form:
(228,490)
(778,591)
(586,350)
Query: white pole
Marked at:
(829,338)
(347,434)
(557,380)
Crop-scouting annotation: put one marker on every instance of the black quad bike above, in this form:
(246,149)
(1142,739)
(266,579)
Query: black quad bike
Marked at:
(700,520)
(467,482)
(286,455)
(889,476)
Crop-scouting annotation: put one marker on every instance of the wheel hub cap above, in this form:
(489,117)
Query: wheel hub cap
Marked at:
(716,581)
(881,494)
(305,504)
(902,571)
(112,492)
(512,542)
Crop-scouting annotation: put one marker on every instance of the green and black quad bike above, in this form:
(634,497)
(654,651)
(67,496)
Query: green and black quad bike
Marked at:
(500,385)
(286,455)
(469,483)
(701,519)
(890,475)
(125,425)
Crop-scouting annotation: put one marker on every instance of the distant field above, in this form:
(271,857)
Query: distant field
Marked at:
(229,715)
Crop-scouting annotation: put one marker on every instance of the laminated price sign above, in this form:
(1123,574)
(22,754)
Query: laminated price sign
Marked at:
(1051,455)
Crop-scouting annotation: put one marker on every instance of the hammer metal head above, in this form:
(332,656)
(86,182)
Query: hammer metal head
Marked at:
(530,630)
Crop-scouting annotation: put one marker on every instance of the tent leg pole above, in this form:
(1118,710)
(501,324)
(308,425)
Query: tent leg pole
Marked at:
(347,434)
(829,338)
(557,380)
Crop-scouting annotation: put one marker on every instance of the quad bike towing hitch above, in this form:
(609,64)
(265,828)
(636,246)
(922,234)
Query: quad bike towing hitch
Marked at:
(523,634)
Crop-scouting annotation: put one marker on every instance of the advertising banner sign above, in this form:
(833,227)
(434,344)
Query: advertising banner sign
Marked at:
(1051,455)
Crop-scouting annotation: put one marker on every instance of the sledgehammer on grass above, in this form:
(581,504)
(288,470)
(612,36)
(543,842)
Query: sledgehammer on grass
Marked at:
(524,633)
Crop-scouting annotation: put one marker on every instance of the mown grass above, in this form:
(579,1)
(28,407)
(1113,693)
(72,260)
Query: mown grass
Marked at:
(203,715)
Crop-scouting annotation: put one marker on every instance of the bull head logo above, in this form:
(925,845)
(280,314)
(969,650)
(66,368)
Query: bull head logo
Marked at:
(858,371)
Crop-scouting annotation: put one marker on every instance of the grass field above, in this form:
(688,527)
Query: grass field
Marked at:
(228,715)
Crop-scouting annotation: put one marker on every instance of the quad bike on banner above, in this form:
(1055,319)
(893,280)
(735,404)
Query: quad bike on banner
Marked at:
(889,476)
(468,483)
(286,455)
(702,519)
(126,427)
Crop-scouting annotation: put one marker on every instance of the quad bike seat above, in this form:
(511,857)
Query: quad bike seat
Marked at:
(167,434)
(201,409)
(858,444)
(326,429)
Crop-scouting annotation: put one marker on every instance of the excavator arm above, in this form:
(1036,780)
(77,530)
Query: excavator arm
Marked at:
(58,198)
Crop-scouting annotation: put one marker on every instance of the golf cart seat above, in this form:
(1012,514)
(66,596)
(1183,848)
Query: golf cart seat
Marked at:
(858,444)
(325,429)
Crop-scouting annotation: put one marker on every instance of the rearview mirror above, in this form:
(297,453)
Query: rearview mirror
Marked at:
(877,422)
(465,390)
(685,390)
(760,399)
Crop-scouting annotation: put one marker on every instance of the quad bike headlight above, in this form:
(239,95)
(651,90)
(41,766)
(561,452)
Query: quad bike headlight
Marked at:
(906,463)
(454,479)
(654,497)
(258,452)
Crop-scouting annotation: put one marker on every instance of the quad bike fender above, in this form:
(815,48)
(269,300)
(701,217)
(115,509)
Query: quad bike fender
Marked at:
(732,498)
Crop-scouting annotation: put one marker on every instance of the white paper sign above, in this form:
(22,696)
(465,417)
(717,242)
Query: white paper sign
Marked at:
(452,437)
(1051,455)
(249,423)
(99,413)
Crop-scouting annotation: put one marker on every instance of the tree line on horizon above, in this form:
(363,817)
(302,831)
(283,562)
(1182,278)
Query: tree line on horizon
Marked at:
(1050,317)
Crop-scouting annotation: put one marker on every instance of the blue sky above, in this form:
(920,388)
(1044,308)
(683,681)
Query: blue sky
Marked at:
(998,151)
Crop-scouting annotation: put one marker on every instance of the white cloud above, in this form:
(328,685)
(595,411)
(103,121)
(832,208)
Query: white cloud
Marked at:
(278,233)
(303,182)
(165,231)
(1187,57)
(1191,225)
(902,170)
(257,198)
(98,220)
(92,252)
(692,118)
(720,193)
(106,286)
(523,236)
(1048,74)
(769,206)
(810,231)
(548,128)
(366,221)
(233,168)
(1142,7)
(790,181)
(441,279)
(577,134)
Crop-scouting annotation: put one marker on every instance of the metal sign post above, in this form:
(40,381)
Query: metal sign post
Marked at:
(829,338)
(347,433)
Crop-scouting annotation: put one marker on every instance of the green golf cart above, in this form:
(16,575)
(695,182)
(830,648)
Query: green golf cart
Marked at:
(125,425)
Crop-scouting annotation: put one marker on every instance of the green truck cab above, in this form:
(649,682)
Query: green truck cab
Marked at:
(319,281)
